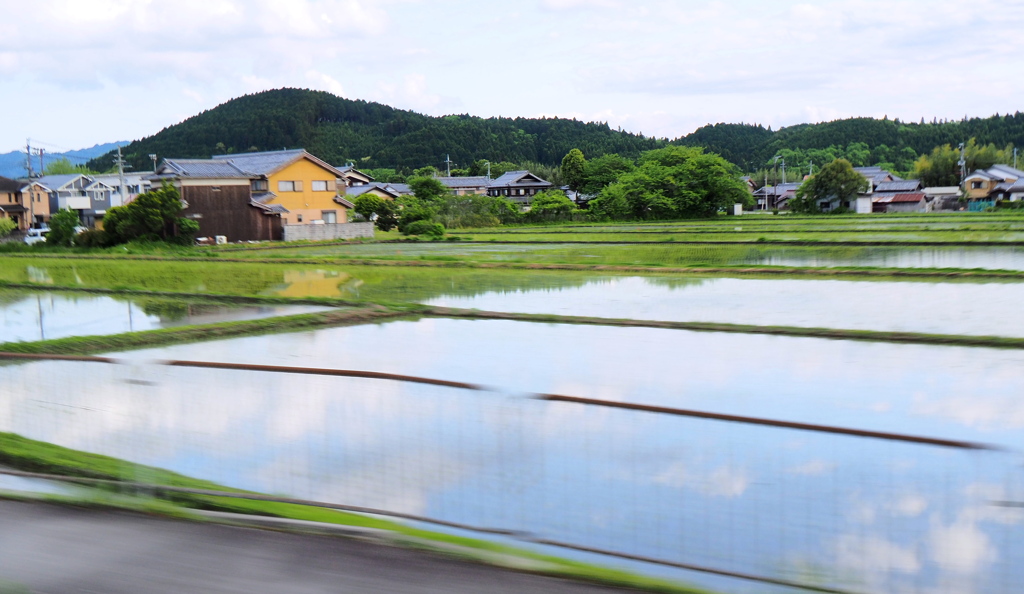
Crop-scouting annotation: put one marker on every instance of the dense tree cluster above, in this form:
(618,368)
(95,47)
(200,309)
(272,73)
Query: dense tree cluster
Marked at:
(672,183)
(836,180)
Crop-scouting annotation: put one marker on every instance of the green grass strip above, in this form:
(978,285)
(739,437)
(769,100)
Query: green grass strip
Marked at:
(84,345)
(447,262)
(29,455)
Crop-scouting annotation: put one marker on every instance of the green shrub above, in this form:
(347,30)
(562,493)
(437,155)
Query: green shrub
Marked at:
(94,238)
(422,227)
(6,226)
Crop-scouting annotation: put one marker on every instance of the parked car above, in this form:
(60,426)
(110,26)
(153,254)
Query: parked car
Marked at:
(33,236)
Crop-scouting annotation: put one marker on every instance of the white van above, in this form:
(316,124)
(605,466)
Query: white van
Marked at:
(33,236)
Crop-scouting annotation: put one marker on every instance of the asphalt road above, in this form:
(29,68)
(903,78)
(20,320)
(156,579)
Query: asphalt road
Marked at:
(55,549)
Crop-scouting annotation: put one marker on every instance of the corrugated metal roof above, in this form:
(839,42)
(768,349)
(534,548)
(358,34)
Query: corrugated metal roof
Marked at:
(897,197)
(909,185)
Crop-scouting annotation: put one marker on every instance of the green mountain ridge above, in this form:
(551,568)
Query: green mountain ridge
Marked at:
(373,135)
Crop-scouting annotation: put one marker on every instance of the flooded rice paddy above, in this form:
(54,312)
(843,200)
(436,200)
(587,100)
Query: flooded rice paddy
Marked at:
(42,315)
(907,256)
(869,515)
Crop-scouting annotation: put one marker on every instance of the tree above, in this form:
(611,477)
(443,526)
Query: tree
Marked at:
(152,216)
(673,182)
(574,169)
(63,166)
(381,211)
(6,226)
(428,189)
(62,228)
(603,171)
(837,180)
(551,205)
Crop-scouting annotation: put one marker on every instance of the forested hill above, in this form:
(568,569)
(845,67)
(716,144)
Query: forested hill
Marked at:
(374,135)
(752,146)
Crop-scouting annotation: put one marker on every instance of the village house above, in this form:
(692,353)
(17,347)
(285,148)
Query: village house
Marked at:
(135,183)
(254,196)
(899,196)
(999,182)
(518,186)
(11,206)
(85,195)
(461,186)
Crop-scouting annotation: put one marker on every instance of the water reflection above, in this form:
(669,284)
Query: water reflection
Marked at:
(943,308)
(30,316)
(852,511)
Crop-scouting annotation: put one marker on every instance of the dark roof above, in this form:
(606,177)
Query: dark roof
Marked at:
(263,197)
(54,182)
(344,202)
(198,169)
(9,185)
(346,169)
(908,185)
(268,162)
(516,178)
(12,208)
(382,187)
(479,181)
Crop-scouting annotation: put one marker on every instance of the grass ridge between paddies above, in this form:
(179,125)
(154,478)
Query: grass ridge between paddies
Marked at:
(30,455)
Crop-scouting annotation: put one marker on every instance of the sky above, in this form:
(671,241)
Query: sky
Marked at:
(81,72)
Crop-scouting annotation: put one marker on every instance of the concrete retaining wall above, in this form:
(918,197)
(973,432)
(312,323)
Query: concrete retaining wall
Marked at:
(327,231)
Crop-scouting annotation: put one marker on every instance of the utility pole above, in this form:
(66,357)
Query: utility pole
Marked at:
(775,177)
(962,163)
(1015,157)
(119,161)
(811,172)
(28,157)
(152,157)
(489,164)
(765,188)
(448,162)
(41,167)
(783,171)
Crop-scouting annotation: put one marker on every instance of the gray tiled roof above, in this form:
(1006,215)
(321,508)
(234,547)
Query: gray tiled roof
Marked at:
(909,185)
(479,181)
(200,169)
(53,182)
(263,163)
(1008,171)
(514,177)
(263,197)
(344,202)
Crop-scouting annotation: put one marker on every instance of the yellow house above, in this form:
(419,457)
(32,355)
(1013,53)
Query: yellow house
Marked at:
(305,189)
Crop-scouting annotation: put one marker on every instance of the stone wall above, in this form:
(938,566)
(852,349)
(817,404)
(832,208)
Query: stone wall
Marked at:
(327,231)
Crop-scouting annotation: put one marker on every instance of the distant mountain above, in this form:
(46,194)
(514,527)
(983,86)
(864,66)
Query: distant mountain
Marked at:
(12,164)
(375,135)
(752,146)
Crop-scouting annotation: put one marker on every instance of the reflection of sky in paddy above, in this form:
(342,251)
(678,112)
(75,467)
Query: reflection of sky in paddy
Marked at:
(873,516)
(941,308)
(43,316)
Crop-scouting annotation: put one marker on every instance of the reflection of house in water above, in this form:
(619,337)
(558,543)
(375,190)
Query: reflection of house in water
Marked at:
(311,283)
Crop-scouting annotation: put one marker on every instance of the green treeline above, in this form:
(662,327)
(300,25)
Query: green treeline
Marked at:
(373,135)
(862,141)
(376,136)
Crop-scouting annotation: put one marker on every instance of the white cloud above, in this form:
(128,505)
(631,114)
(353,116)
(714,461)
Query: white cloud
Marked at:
(961,547)
(876,555)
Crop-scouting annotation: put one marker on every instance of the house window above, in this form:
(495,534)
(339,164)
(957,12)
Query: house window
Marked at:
(259,185)
(285,186)
(330,217)
(299,218)
(976,185)
(214,188)
(319,186)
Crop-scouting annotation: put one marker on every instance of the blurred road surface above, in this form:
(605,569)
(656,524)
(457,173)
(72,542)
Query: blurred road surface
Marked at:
(56,549)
